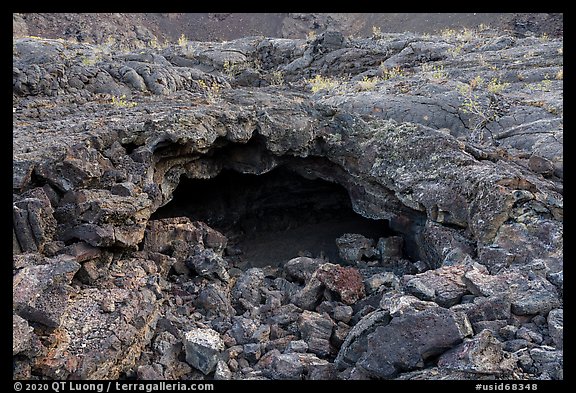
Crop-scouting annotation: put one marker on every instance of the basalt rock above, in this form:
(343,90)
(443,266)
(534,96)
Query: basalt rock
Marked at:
(202,210)
(203,348)
(482,354)
(408,340)
(21,334)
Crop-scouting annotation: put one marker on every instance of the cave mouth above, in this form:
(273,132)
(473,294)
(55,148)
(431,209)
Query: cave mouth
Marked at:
(273,217)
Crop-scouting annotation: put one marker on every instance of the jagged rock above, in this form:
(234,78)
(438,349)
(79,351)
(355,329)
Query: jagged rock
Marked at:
(40,293)
(419,289)
(34,224)
(203,349)
(408,340)
(436,373)
(319,370)
(101,218)
(376,281)
(353,247)
(150,372)
(390,247)
(486,308)
(548,363)
(208,264)
(556,279)
(299,346)
(342,313)
(457,257)
(443,285)
(339,334)
(316,330)
(214,298)
(20,261)
(280,344)
(541,165)
(310,296)
(261,334)
(160,234)
(252,352)
(21,334)
(301,268)
(91,271)
(492,326)
(247,287)
(528,295)
(96,345)
(529,335)
(222,371)
(543,362)
(397,304)
(243,330)
(516,344)
(287,289)
(169,348)
(77,167)
(345,282)
(481,354)
(82,252)
(508,332)
(286,314)
(211,238)
(356,343)
(294,366)
(556,327)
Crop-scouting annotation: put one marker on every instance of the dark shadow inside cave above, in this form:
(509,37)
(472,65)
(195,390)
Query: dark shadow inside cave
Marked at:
(273,217)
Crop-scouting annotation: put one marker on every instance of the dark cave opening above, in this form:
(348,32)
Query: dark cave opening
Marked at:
(273,217)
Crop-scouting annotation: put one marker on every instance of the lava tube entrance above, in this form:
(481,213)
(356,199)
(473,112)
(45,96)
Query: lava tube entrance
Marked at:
(274,217)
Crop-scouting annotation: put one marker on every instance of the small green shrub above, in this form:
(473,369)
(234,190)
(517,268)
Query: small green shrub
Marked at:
(495,86)
(322,83)
(211,90)
(560,74)
(545,85)
(439,73)
(231,69)
(182,41)
(389,73)
(472,105)
(122,102)
(368,83)
(277,78)
(476,82)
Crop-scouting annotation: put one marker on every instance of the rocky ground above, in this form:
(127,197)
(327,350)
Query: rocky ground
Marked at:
(454,139)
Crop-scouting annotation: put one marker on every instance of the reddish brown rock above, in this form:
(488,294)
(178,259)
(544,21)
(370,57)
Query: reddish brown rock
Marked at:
(345,281)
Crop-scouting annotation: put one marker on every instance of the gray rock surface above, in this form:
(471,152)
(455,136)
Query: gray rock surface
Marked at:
(316,330)
(556,327)
(482,354)
(21,334)
(408,340)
